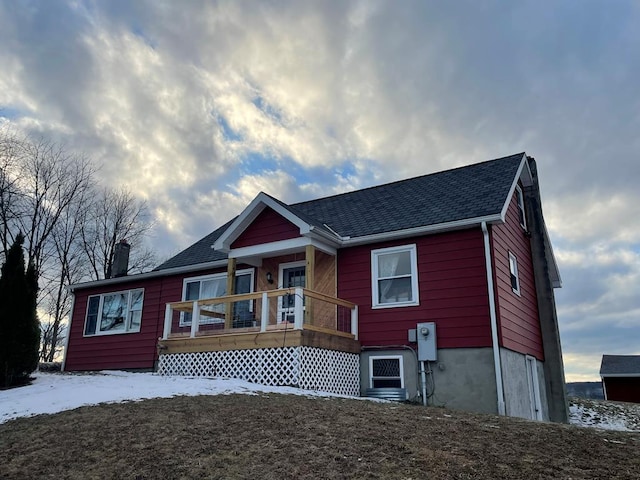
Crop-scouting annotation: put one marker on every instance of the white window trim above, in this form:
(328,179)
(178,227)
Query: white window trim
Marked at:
(520,204)
(99,332)
(516,274)
(200,278)
(412,249)
(282,266)
(386,357)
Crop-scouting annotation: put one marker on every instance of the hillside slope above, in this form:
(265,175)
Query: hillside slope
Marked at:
(276,436)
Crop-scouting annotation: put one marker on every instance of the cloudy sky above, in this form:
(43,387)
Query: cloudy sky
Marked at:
(198,106)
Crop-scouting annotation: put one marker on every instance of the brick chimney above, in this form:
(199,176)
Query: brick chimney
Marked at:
(120,259)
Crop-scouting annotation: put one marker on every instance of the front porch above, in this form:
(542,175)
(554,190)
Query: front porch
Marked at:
(287,336)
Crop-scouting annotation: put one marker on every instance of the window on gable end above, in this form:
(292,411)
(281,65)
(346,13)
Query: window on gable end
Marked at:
(513,270)
(520,203)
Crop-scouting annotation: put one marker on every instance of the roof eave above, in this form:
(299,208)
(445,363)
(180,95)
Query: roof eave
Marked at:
(145,276)
(423,230)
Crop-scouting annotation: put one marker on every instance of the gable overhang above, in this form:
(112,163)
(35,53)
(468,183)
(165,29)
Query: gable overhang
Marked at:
(524,175)
(620,375)
(309,234)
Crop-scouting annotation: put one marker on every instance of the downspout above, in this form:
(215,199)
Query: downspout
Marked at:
(494,321)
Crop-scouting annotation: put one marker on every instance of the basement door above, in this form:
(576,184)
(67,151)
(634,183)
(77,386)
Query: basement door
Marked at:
(534,387)
(291,275)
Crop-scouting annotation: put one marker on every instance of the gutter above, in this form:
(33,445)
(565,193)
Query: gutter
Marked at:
(410,232)
(152,274)
(494,322)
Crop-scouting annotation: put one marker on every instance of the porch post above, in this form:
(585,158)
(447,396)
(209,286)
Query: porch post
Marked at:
(264,315)
(167,322)
(231,285)
(195,319)
(298,309)
(310,276)
(354,321)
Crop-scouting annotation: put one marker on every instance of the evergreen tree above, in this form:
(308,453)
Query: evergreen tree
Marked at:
(19,326)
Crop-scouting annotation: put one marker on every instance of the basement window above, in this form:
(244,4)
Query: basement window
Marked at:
(386,371)
(112,313)
(513,270)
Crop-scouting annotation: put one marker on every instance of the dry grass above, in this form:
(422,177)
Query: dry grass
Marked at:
(279,436)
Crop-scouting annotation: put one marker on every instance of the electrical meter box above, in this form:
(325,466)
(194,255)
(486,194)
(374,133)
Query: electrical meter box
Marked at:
(426,338)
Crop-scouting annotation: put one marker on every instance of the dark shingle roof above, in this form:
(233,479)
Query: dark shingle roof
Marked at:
(462,193)
(199,252)
(620,365)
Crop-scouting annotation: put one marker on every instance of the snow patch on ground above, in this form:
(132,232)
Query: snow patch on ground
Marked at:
(605,415)
(56,392)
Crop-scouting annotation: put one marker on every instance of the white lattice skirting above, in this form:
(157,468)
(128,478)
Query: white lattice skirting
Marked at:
(304,367)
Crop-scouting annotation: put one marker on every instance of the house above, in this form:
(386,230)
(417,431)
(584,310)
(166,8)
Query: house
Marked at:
(621,377)
(438,289)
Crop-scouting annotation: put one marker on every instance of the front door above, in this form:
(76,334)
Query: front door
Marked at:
(291,275)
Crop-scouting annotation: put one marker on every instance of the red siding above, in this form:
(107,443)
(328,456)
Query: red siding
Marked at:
(519,325)
(268,226)
(453,291)
(623,389)
(124,350)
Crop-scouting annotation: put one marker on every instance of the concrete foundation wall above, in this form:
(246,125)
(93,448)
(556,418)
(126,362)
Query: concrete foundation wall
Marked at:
(462,378)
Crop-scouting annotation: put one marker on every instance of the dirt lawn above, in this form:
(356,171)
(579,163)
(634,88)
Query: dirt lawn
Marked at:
(284,436)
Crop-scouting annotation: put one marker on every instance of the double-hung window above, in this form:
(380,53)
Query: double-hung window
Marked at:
(394,276)
(513,272)
(213,286)
(118,312)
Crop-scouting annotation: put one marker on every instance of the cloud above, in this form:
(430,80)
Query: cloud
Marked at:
(197,106)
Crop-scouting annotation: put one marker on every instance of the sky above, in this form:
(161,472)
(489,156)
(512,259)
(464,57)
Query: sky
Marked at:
(197,106)
(51,393)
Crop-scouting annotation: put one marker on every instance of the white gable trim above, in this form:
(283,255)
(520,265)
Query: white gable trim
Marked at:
(280,247)
(524,174)
(249,214)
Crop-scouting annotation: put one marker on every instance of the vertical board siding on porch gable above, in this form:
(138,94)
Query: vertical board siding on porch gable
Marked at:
(452,289)
(122,350)
(517,315)
(268,226)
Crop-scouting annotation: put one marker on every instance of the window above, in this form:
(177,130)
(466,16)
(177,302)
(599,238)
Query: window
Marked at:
(520,202)
(109,313)
(386,372)
(513,270)
(213,286)
(394,275)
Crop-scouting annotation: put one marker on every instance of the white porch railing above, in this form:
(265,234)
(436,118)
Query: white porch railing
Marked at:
(256,312)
